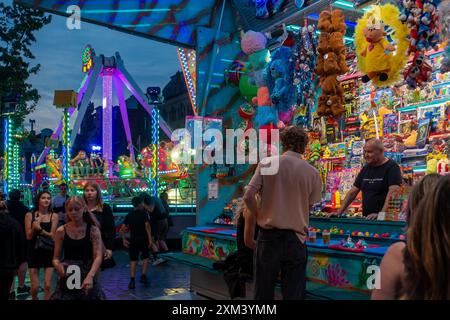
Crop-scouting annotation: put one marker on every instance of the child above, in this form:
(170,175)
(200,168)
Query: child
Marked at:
(140,239)
(244,254)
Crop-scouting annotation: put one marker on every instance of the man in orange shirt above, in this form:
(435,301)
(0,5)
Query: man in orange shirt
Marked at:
(283,217)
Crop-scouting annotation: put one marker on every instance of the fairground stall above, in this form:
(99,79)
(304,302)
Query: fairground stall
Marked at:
(269,64)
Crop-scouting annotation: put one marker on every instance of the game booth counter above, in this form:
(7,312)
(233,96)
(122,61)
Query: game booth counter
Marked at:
(271,64)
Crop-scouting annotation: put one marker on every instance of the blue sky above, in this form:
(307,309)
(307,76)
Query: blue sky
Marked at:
(59,50)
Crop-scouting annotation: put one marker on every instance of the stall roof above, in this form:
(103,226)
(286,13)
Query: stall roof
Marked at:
(171,21)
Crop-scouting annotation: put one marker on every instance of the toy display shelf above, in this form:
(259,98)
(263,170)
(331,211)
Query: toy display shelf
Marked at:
(359,224)
(424,105)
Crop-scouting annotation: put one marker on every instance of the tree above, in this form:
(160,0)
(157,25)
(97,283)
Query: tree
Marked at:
(17,25)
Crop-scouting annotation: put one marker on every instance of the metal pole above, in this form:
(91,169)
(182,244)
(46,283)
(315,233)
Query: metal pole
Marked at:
(215,51)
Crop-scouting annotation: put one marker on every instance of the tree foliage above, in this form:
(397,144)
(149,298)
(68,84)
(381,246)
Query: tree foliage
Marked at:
(17,27)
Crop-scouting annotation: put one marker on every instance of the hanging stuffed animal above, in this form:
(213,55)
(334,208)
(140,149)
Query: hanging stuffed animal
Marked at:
(379,60)
(419,72)
(331,62)
(254,45)
(444,20)
(421,17)
(279,78)
(304,76)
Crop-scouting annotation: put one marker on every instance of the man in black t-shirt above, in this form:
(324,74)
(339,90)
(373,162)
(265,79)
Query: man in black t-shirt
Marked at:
(377,180)
(140,241)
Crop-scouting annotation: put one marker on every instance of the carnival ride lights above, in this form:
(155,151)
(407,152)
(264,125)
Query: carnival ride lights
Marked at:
(187,59)
(113,73)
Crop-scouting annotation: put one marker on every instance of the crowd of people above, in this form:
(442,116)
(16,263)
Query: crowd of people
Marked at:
(271,237)
(66,233)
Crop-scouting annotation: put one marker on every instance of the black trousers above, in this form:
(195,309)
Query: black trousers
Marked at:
(280,251)
(6,279)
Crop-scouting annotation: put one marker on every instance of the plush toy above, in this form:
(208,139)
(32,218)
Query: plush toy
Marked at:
(378,59)
(304,50)
(265,112)
(254,45)
(338,22)
(324,24)
(279,77)
(410,142)
(331,63)
(444,20)
(419,72)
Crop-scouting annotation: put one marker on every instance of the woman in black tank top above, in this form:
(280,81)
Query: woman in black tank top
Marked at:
(80,242)
(40,227)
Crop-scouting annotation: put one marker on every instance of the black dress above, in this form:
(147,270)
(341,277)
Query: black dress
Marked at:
(37,257)
(108,232)
(107,226)
(78,252)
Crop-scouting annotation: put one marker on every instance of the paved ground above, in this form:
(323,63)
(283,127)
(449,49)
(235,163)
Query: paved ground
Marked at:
(166,279)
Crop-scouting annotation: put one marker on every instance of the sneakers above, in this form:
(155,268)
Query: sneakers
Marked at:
(131,285)
(12,296)
(158,261)
(144,279)
(23,290)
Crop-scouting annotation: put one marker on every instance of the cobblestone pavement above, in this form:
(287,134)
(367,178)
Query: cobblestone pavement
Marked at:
(166,279)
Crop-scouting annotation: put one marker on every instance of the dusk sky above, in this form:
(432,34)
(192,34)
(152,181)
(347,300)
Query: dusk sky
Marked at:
(59,50)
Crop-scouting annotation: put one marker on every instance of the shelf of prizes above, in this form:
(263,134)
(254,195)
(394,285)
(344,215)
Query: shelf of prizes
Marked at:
(344,252)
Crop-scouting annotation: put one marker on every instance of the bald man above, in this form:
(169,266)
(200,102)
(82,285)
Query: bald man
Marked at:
(377,180)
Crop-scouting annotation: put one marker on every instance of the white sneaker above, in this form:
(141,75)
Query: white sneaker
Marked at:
(158,261)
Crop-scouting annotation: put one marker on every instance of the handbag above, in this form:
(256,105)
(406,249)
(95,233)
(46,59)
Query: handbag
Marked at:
(44,243)
(108,263)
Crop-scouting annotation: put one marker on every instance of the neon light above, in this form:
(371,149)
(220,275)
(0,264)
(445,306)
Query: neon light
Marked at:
(6,160)
(87,58)
(66,145)
(94,11)
(188,75)
(107,131)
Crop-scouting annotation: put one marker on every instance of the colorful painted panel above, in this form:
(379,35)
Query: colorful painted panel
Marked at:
(172,21)
(207,247)
(345,272)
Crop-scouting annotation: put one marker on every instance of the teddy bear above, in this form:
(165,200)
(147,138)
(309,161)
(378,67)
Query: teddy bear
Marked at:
(324,24)
(319,66)
(336,107)
(279,78)
(331,65)
(331,62)
(336,44)
(329,85)
(338,21)
(323,108)
(324,45)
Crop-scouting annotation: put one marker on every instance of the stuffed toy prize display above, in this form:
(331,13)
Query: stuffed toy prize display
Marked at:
(444,20)
(421,18)
(378,58)
(331,62)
